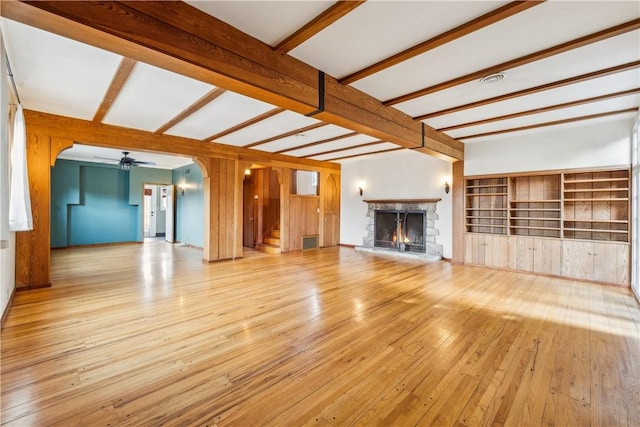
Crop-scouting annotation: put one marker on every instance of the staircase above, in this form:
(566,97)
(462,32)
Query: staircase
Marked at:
(271,241)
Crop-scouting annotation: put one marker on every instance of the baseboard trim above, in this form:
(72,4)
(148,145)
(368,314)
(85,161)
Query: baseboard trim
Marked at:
(7,308)
(344,245)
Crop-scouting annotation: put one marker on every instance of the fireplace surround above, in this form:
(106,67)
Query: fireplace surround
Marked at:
(403,227)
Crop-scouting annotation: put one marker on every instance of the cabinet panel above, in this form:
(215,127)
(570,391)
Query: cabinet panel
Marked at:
(536,255)
(485,249)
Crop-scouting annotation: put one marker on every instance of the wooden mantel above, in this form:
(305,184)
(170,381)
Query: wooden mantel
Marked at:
(402,200)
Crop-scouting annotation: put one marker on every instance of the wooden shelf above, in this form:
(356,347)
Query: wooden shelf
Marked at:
(594,190)
(535,228)
(486,194)
(536,209)
(487,186)
(528,218)
(600,199)
(586,181)
(606,221)
(536,201)
(595,230)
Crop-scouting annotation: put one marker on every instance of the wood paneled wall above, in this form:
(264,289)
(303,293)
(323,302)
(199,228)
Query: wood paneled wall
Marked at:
(304,219)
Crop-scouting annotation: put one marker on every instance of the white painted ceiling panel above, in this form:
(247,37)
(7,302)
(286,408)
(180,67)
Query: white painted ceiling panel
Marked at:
(57,75)
(307,137)
(594,57)
(333,145)
(563,21)
(589,89)
(379,29)
(268,21)
(276,125)
(362,150)
(153,96)
(578,111)
(226,111)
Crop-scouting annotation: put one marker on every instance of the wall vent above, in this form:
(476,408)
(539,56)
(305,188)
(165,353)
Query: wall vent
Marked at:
(309,242)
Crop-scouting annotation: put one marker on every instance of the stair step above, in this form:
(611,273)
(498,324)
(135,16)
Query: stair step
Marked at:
(271,249)
(270,240)
(275,233)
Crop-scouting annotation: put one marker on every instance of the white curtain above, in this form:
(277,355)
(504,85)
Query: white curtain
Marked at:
(19,199)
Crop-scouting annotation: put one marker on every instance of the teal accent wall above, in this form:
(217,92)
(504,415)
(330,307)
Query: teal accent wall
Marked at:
(190,206)
(98,203)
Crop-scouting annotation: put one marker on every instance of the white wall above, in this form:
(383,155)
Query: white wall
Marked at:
(7,239)
(603,142)
(402,174)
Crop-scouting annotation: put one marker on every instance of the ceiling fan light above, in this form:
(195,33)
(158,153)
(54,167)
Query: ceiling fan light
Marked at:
(494,78)
(125,166)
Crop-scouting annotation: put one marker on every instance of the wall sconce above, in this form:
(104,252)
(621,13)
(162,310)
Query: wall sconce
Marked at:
(247,171)
(446,187)
(181,188)
(361,187)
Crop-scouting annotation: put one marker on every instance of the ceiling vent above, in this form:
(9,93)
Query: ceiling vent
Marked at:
(494,78)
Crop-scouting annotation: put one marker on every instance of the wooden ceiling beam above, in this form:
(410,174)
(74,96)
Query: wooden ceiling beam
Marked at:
(337,150)
(553,123)
(180,38)
(312,144)
(206,99)
(246,123)
(543,109)
(317,24)
(467,28)
(365,154)
(286,134)
(523,60)
(115,87)
(548,86)
(121,138)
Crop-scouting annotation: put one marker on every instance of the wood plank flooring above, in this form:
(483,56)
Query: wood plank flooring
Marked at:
(147,334)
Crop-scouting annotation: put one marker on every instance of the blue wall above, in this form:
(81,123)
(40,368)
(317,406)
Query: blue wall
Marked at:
(91,202)
(190,206)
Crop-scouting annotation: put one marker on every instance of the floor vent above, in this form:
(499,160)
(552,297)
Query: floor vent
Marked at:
(309,242)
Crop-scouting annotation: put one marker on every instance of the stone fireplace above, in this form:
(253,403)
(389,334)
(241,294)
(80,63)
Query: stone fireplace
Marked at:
(403,227)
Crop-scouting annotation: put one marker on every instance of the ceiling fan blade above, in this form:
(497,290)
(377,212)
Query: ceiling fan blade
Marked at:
(106,158)
(143,163)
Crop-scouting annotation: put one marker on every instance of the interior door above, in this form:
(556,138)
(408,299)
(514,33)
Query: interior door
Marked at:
(169,192)
(248,213)
(149,222)
(331,212)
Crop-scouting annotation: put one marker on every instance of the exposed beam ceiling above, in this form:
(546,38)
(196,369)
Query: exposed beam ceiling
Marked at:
(178,37)
(544,109)
(536,89)
(286,134)
(536,56)
(246,123)
(323,141)
(119,79)
(317,24)
(490,18)
(196,106)
(553,123)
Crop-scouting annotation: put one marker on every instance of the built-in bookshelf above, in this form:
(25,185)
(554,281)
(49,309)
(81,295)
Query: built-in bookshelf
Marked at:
(592,205)
(562,223)
(596,205)
(535,206)
(486,205)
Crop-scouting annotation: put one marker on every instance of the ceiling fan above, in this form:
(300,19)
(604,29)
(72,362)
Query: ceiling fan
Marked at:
(126,162)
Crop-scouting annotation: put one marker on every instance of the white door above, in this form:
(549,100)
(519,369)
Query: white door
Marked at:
(150,194)
(169,191)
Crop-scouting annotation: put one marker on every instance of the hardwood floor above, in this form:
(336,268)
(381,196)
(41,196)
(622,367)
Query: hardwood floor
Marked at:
(139,335)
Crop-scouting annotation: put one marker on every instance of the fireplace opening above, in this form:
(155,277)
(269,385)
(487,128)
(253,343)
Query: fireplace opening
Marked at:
(400,230)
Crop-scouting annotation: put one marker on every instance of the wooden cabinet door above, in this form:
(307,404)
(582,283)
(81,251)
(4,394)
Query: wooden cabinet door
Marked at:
(577,259)
(547,256)
(472,249)
(496,251)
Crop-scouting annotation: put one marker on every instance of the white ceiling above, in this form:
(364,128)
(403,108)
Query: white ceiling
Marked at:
(61,76)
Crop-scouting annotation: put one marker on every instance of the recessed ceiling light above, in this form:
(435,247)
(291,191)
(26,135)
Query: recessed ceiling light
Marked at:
(493,78)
